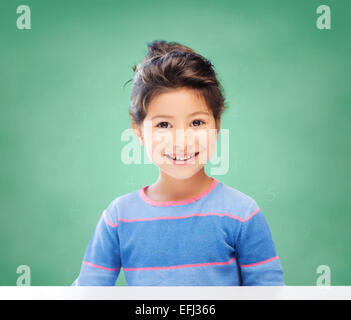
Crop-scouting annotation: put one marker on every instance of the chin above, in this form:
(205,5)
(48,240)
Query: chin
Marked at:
(181,175)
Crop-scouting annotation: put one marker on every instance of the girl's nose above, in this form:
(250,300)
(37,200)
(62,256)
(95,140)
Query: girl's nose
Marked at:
(180,137)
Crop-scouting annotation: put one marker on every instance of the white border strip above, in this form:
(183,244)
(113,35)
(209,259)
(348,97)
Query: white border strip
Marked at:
(176,293)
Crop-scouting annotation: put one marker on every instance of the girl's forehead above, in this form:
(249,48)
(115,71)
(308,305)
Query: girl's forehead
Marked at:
(180,102)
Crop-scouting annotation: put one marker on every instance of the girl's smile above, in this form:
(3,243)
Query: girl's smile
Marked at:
(182,159)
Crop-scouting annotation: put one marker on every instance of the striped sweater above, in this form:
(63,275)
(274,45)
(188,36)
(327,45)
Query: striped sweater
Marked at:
(218,238)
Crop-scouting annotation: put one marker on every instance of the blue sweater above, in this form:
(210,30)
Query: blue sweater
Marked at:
(218,238)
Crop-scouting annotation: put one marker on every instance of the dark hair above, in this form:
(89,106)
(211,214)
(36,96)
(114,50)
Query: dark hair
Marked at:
(170,65)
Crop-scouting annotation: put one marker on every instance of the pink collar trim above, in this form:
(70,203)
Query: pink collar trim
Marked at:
(177,202)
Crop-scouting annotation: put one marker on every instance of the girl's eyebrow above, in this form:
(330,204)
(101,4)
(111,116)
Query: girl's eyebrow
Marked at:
(190,115)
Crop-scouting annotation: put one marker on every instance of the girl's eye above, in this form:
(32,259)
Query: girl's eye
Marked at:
(162,123)
(197,122)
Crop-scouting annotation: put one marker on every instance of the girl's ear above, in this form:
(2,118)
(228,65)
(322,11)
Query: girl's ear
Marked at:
(218,125)
(138,132)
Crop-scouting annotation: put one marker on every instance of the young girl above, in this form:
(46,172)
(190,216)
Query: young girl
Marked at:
(186,229)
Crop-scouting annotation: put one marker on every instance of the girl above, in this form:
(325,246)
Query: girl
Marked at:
(186,229)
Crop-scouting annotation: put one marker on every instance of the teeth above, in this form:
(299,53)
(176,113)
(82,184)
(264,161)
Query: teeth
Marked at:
(181,158)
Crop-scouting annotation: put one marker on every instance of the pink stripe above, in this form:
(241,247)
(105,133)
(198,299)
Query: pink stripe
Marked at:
(179,202)
(251,215)
(100,267)
(192,215)
(258,263)
(108,222)
(182,266)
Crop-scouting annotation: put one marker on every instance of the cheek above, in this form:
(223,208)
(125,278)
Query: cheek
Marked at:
(157,144)
(207,139)
(207,145)
(212,141)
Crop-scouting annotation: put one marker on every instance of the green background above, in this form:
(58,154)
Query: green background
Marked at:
(64,108)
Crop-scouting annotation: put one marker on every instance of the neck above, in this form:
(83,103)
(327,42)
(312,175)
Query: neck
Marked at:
(167,188)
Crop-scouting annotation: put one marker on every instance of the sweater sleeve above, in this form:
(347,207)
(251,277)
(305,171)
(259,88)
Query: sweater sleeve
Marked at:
(101,264)
(257,257)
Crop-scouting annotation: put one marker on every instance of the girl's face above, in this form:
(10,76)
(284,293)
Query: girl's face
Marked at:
(179,132)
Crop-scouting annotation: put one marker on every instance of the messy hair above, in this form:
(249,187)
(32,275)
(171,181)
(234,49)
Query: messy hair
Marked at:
(168,66)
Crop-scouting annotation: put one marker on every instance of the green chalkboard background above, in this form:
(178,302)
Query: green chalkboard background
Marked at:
(64,108)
